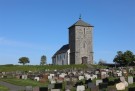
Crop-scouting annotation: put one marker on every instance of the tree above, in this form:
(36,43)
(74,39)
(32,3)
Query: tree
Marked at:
(101,62)
(24,60)
(43,60)
(125,58)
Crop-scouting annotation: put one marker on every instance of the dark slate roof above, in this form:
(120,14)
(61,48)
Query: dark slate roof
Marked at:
(63,49)
(81,23)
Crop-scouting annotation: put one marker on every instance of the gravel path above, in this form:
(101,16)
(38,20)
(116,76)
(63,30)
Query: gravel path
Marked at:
(12,87)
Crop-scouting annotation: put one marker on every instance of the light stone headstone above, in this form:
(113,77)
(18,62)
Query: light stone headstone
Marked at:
(120,86)
(28,88)
(122,78)
(24,77)
(36,89)
(80,88)
(36,78)
(50,86)
(81,77)
(130,79)
(98,81)
(55,89)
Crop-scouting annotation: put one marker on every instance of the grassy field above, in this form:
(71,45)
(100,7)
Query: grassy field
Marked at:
(9,68)
(27,82)
(3,88)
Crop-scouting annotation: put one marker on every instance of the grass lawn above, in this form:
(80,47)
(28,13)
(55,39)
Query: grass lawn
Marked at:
(27,82)
(3,88)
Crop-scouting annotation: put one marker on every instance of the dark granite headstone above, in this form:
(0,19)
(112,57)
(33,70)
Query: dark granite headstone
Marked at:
(43,89)
(94,89)
(131,89)
(111,83)
(105,80)
(111,89)
(88,81)
(91,85)
(133,79)
(58,86)
(103,85)
(117,80)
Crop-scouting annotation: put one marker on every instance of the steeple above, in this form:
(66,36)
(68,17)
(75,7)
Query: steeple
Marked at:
(80,17)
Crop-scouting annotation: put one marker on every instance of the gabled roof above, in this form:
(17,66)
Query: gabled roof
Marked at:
(81,23)
(63,49)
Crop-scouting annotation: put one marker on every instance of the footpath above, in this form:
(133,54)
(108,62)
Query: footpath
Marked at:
(12,87)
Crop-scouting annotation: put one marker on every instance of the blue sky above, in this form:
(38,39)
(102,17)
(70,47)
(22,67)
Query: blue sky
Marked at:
(33,28)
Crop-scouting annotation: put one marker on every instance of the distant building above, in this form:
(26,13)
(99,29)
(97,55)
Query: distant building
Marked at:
(80,47)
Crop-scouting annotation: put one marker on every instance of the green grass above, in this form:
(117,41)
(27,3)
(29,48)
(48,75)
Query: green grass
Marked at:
(3,88)
(9,68)
(27,82)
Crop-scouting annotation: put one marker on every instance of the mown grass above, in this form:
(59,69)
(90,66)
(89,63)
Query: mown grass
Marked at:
(9,68)
(27,82)
(3,88)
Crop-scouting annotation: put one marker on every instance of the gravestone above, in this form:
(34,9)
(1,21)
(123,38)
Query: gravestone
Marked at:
(94,89)
(103,85)
(91,85)
(36,89)
(28,88)
(24,77)
(50,86)
(36,78)
(43,89)
(80,88)
(131,89)
(120,86)
(117,80)
(111,89)
(111,83)
(81,77)
(130,79)
(58,85)
(55,89)
(105,80)
(122,78)
(88,81)
(98,81)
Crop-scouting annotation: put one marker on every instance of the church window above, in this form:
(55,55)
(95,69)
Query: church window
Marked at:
(84,45)
(84,30)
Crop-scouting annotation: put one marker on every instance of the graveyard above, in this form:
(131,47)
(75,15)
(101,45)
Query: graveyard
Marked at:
(69,77)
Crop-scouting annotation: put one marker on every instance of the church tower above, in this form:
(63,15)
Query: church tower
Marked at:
(80,43)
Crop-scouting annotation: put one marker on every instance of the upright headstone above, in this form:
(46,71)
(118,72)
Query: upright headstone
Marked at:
(120,86)
(130,79)
(111,88)
(50,86)
(28,88)
(80,88)
(98,81)
(36,89)
(131,89)
(43,89)
(122,78)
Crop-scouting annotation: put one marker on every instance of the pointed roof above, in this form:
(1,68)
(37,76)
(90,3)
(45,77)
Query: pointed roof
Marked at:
(81,23)
(63,49)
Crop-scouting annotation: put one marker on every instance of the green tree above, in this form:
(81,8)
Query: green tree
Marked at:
(24,60)
(101,62)
(43,60)
(125,58)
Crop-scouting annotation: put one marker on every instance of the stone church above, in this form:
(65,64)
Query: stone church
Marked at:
(80,47)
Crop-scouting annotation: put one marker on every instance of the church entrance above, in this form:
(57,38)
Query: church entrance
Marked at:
(84,60)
